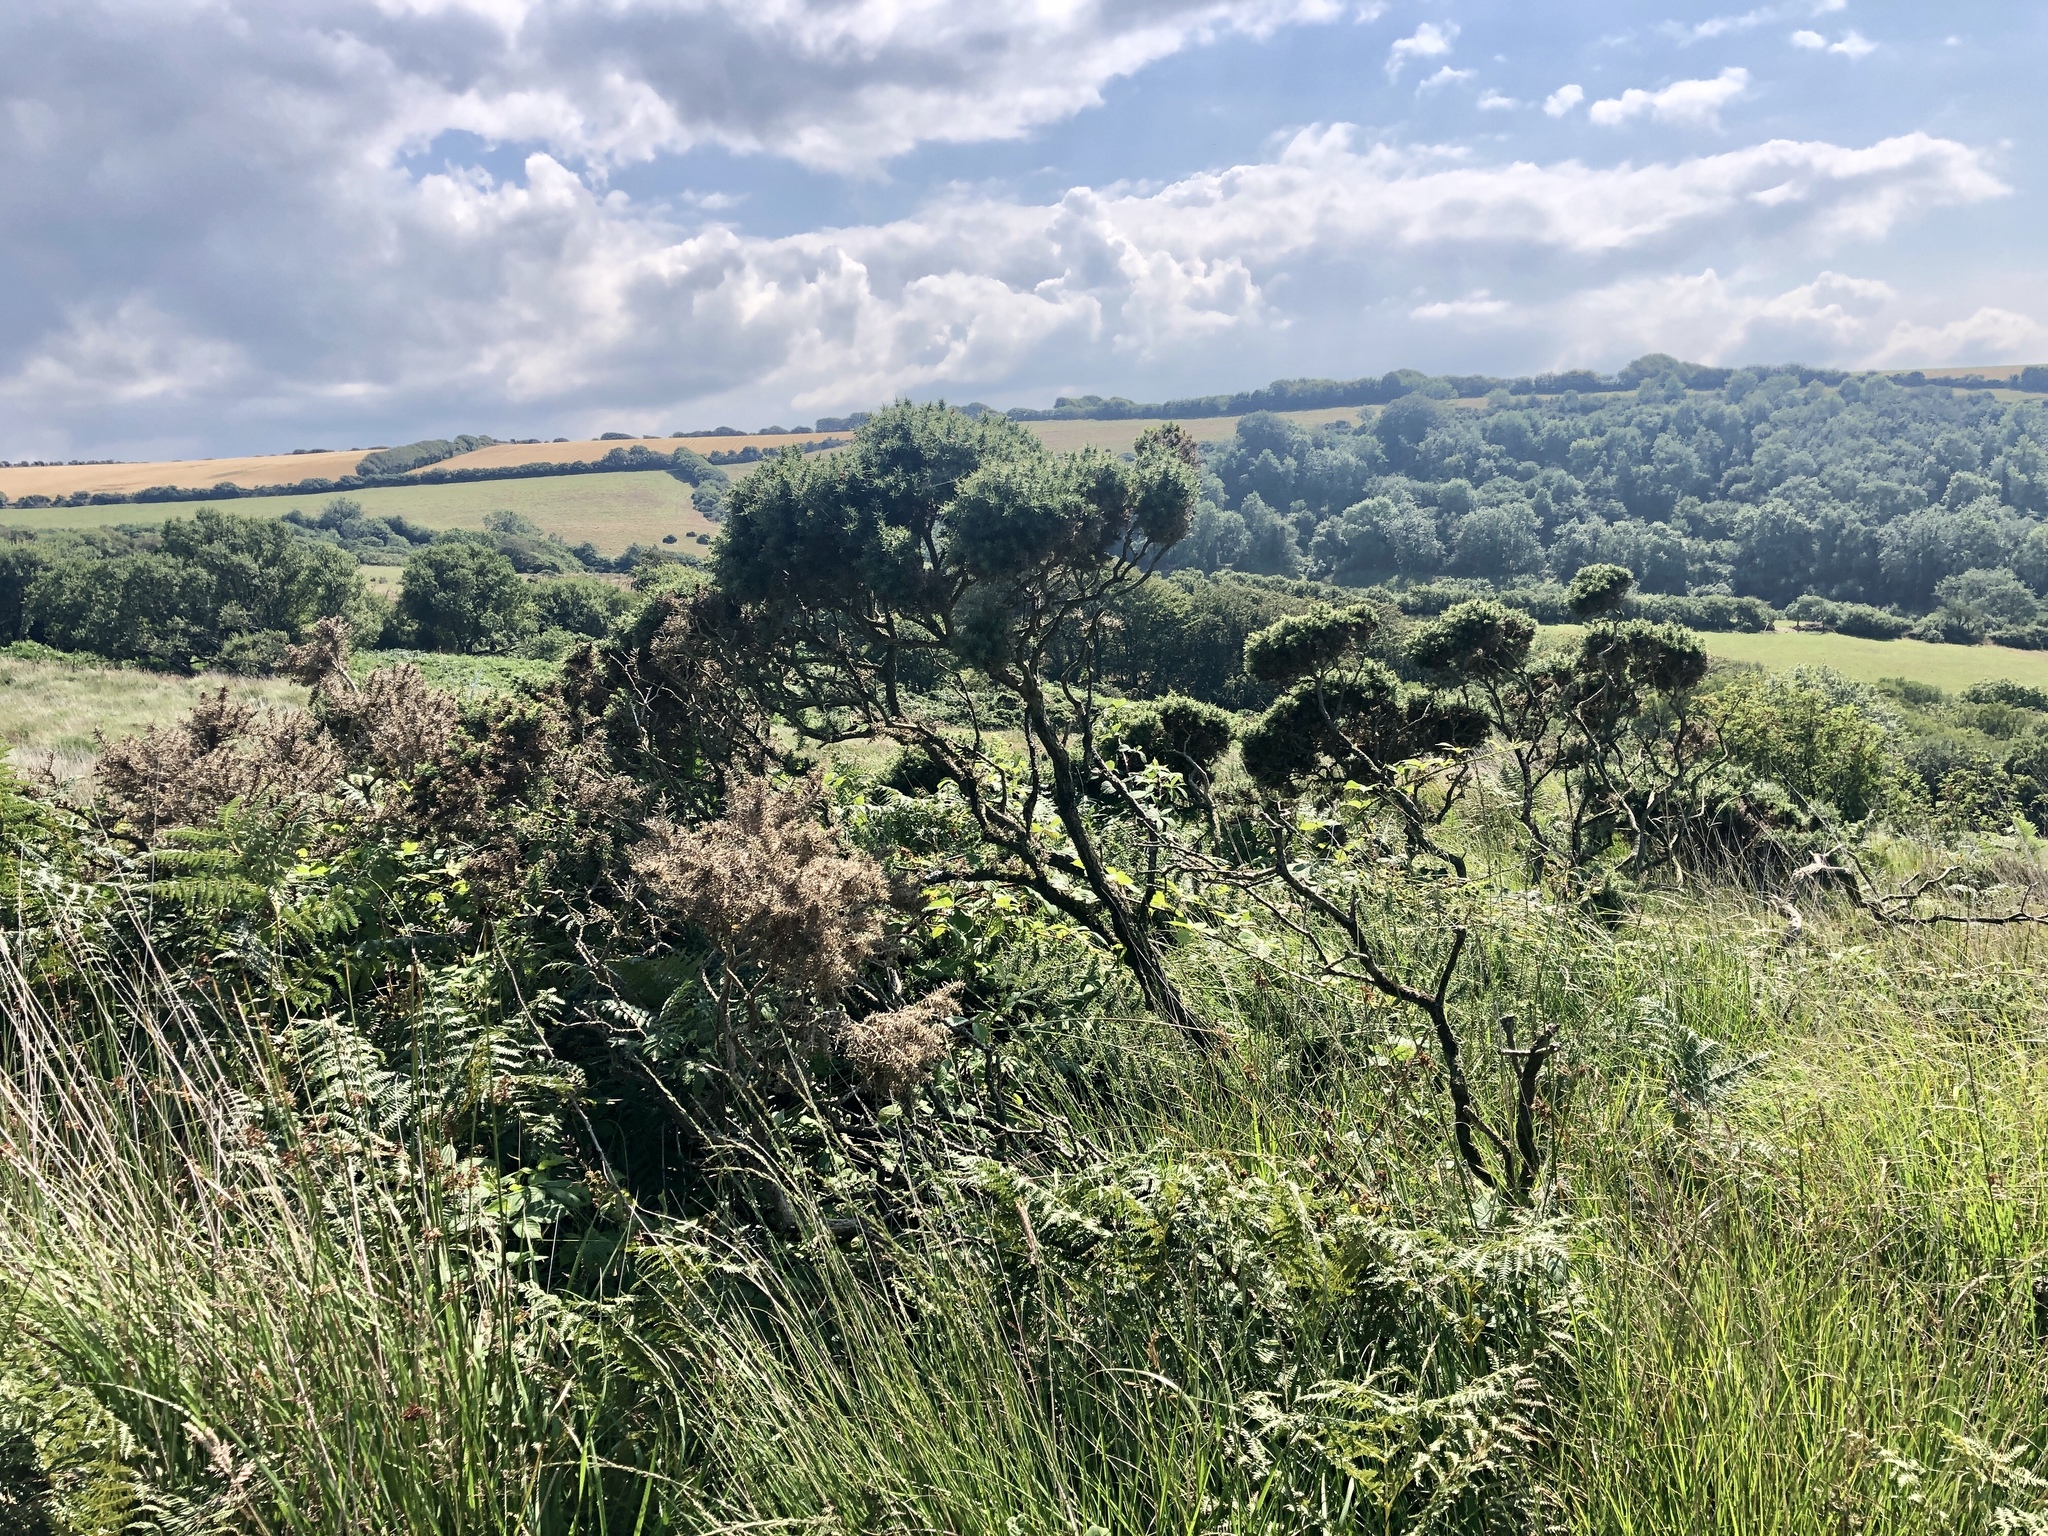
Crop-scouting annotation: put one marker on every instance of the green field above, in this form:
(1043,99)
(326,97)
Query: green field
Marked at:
(49,711)
(1949,667)
(610,511)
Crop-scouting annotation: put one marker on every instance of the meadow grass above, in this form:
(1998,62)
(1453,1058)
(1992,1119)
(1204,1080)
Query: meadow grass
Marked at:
(50,711)
(1951,668)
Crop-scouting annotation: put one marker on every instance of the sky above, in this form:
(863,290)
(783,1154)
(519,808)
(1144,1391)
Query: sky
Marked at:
(242,226)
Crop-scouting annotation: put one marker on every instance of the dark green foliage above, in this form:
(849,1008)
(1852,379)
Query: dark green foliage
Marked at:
(1762,485)
(582,605)
(1183,734)
(1638,657)
(1308,643)
(1344,715)
(940,540)
(1187,635)
(2003,690)
(359,533)
(2026,766)
(1870,623)
(462,595)
(1600,591)
(1473,641)
(396,461)
(210,579)
(1951,624)
(20,560)
(2025,637)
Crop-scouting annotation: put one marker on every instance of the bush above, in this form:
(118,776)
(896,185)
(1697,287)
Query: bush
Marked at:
(1802,736)
(2003,690)
(581,605)
(1716,612)
(2025,637)
(1950,625)
(1868,623)
(1180,733)
(255,654)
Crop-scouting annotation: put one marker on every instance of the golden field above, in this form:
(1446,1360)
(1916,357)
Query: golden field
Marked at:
(609,510)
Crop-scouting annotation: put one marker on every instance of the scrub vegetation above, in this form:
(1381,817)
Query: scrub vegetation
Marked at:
(934,1023)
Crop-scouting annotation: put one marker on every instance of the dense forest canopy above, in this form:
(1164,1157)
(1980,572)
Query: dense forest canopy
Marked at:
(1864,492)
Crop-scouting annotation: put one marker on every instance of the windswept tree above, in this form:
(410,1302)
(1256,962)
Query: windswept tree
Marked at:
(1344,718)
(943,554)
(1596,741)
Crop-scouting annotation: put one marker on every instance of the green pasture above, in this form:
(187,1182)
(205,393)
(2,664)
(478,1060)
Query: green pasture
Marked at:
(610,511)
(1948,667)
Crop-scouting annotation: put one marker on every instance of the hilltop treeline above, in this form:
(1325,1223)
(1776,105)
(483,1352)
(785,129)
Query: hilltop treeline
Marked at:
(1862,493)
(386,468)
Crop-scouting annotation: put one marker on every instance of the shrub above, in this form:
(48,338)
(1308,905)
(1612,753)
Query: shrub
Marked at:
(582,605)
(1799,735)
(2003,690)
(1181,733)
(1868,623)
(2025,637)
(1951,625)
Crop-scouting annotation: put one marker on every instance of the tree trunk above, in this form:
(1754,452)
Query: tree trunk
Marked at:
(1141,956)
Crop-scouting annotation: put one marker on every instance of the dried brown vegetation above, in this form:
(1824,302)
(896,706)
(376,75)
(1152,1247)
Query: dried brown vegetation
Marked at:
(772,886)
(895,1051)
(182,774)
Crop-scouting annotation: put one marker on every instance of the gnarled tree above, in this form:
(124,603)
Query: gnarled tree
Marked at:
(944,554)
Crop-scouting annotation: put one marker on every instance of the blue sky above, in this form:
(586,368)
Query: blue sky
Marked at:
(249,225)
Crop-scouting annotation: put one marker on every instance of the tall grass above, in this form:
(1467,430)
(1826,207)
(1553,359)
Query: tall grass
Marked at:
(270,1306)
(1253,1296)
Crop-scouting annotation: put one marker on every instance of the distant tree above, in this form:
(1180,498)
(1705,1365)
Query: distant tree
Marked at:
(20,560)
(1999,595)
(263,575)
(1496,542)
(215,582)
(462,595)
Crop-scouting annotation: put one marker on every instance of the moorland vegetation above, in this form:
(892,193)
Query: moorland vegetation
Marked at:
(884,1041)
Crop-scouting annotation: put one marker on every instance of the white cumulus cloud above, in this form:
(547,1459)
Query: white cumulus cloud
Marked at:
(224,227)
(1443,77)
(1695,102)
(1479,304)
(1852,44)
(1428,41)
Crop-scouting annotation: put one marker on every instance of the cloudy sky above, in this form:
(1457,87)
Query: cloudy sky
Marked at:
(248,225)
